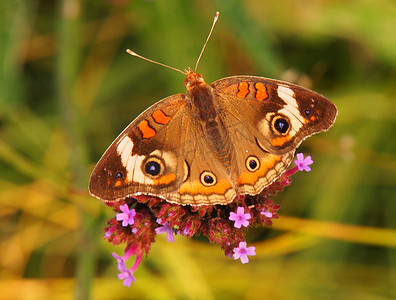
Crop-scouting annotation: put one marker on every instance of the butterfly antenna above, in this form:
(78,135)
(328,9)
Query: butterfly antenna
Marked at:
(216,17)
(129,51)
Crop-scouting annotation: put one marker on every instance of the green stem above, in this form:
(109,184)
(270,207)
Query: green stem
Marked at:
(68,62)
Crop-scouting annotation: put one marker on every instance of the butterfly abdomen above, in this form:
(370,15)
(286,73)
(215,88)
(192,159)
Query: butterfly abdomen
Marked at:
(218,142)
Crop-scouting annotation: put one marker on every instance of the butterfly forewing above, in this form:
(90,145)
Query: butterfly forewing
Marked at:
(145,143)
(260,102)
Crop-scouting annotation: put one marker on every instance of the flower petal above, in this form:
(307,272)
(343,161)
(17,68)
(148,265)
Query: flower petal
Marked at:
(244,259)
(233,216)
(242,245)
(124,208)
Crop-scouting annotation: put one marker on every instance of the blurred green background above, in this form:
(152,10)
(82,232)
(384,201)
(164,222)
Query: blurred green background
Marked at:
(67,89)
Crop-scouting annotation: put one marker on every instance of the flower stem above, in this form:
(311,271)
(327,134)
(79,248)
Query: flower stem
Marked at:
(68,62)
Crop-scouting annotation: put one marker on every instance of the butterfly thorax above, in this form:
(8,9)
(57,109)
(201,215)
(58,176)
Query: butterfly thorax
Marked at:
(200,95)
(204,109)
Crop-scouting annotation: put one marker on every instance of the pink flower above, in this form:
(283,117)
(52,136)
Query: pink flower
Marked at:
(240,218)
(303,163)
(127,276)
(126,216)
(242,252)
(266,213)
(120,262)
(125,273)
(166,229)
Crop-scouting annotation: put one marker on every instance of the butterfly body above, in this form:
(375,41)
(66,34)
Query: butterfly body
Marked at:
(235,136)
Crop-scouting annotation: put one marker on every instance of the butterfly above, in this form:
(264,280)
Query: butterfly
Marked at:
(205,147)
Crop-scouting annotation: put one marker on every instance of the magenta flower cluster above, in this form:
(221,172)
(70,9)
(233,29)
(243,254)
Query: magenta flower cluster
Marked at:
(139,219)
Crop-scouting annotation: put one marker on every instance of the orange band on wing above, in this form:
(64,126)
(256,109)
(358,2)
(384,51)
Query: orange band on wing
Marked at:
(165,179)
(280,141)
(196,187)
(160,117)
(267,163)
(261,91)
(243,90)
(146,130)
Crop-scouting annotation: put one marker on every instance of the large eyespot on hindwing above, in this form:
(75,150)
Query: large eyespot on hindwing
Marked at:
(153,167)
(208,178)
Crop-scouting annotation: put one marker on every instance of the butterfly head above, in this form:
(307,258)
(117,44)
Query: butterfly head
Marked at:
(193,79)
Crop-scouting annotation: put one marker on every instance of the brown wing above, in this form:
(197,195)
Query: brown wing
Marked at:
(144,158)
(259,102)
(268,120)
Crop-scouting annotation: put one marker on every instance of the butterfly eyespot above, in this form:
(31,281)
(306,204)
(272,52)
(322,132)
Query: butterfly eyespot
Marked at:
(281,125)
(307,112)
(118,175)
(154,167)
(252,163)
(208,178)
